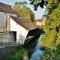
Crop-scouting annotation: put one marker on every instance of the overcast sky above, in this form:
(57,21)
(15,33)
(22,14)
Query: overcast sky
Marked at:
(38,13)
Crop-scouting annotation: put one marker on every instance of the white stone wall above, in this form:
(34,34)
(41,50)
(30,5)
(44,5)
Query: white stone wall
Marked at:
(5,38)
(39,23)
(2,23)
(21,31)
(3,18)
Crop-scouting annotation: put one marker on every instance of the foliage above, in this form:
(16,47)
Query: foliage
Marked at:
(19,4)
(24,11)
(37,3)
(18,55)
(41,3)
(43,38)
(52,30)
(52,26)
(51,54)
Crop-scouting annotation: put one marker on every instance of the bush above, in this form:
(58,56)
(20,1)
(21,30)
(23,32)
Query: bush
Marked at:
(51,54)
(18,55)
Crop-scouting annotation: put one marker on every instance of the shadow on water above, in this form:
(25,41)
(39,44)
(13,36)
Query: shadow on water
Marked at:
(35,46)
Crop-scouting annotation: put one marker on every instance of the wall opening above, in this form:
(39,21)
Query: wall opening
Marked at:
(13,36)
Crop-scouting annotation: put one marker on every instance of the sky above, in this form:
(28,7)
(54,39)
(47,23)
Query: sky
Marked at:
(38,13)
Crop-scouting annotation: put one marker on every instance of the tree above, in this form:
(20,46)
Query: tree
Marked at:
(52,29)
(19,4)
(24,10)
(37,3)
(52,26)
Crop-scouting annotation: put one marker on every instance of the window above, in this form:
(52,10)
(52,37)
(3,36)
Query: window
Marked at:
(5,17)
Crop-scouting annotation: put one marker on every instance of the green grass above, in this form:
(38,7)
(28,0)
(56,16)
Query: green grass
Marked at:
(51,54)
(18,55)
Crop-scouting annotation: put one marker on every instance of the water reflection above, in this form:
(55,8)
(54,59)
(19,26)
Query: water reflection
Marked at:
(37,51)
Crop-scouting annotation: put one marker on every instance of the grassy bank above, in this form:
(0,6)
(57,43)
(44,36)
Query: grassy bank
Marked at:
(17,55)
(51,54)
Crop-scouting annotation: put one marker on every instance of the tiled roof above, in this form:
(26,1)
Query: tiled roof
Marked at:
(18,14)
(24,23)
(39,20)
(6,8)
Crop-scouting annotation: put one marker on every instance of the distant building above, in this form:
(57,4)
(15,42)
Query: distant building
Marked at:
(40,22)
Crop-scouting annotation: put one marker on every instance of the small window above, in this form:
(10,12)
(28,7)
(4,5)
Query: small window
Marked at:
(5,17)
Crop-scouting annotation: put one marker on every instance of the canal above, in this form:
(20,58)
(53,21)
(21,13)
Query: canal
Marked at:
(36,47)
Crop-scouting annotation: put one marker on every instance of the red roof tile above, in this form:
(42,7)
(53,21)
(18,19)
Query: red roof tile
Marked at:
(6,8)
(25,23)
(39,20)
(18,14)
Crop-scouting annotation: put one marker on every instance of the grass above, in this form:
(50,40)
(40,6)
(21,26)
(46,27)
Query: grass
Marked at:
(18,55)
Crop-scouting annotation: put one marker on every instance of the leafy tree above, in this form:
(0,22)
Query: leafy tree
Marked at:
(52,26)
(19,4)
(24,10)
(37,3)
